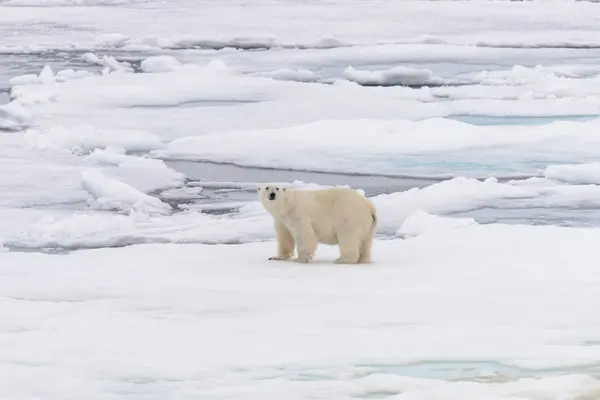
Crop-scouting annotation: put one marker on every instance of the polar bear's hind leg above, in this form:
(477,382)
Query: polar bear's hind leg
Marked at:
(365,250)
(349,249)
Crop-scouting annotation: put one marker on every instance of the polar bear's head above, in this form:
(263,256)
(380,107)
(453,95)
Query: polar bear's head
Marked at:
(273,197)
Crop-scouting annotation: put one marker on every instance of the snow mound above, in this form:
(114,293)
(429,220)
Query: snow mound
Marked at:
(92,229)
(242,42)
(295,75)
(422,223)
(450,196)
(588,173)
(26,79)
(47,76)
(108,40)
(387,147)
(112,194)
(397,76)
(82,139)
(66,75)
(108,61)
(159,64)
(216,42)
(116,156)
(14,117)
(145,174)
(520,75)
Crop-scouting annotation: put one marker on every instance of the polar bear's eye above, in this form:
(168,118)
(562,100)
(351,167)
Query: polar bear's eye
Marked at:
(267,188)
(277,189)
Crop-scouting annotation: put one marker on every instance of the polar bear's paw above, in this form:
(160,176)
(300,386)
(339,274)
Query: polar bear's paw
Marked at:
(342,260)
(280,258)
(303,260)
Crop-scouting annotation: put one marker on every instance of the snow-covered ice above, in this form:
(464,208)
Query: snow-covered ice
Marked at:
(394,76)
(123,276)
(219,322)
(187,224)
(578,173)
(110,193)
(396,147)
(422,222)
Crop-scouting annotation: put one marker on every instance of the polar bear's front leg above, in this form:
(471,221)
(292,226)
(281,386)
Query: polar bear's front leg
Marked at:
(306,242)
(285,243)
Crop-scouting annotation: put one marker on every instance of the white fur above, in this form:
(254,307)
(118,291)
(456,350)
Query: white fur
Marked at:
(335,216)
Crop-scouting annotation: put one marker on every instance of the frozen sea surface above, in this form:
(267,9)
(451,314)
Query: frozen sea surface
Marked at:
(133,135)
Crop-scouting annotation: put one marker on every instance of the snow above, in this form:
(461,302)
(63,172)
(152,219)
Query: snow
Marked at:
(109,193)
(45,169)
(13,117)
(390,147)
(323,26)
(286,74)
(152,223)
(394,76)
(421,223)
(146,101)
(246,325)
(109,62)
(82,139)
(159,64)
(467,124)
(578,173)
(451,196)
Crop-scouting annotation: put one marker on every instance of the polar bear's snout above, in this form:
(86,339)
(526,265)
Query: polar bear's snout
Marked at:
(271,192)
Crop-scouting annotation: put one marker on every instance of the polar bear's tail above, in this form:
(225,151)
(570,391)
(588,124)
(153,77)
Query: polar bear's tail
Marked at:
(375,219)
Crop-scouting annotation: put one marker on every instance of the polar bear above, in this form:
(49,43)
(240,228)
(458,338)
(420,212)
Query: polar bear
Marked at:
(334,216)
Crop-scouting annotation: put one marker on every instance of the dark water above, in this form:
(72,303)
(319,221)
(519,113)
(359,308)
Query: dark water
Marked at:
(226,185)
(372,185)
(12,65)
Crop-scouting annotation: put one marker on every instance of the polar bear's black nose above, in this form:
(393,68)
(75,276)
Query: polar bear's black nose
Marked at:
(271,196)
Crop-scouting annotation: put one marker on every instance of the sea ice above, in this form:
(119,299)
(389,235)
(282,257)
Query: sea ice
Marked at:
(184,193)
(449,309)
(577,173)
(109,193)
(159,64)
(414,324)
(252,223)
(422,222)
(395,76)
(83,139)
(14,117)
(299,75)
(108,62)
(392,147)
